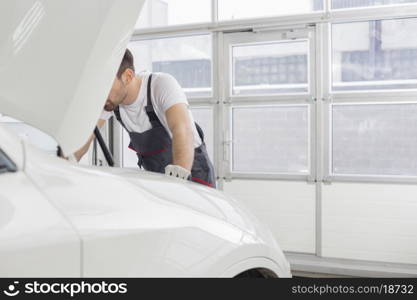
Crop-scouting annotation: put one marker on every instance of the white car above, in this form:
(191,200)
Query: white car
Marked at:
(60,219)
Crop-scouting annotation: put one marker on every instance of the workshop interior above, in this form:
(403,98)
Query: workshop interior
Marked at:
(218,138)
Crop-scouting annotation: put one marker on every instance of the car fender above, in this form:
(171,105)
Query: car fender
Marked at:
(255,263)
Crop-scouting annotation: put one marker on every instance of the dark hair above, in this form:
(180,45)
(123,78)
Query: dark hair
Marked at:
(127,63)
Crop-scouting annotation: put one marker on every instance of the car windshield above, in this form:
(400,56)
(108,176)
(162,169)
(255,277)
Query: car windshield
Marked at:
(31,134)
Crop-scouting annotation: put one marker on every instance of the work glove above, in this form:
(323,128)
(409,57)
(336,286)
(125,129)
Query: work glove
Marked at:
(177,172)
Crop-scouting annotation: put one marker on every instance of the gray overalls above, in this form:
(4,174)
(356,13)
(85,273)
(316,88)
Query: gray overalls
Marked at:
(154,147)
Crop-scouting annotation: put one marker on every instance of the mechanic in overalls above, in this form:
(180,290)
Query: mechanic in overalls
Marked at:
(154,110)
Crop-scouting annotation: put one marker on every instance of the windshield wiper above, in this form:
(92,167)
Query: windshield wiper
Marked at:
(103,147)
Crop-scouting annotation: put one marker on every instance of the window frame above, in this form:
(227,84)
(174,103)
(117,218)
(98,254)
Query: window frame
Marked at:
(225,21)
(325,16)
(330,98)
(277,37)
(270,175)
(213,17)
(361,93)
(322,21)
(209,97)
(359,103)
(230,100)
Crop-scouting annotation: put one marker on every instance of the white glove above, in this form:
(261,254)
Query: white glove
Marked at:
(177,171)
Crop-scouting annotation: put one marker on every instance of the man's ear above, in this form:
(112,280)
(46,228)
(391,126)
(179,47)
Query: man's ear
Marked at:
(128,76)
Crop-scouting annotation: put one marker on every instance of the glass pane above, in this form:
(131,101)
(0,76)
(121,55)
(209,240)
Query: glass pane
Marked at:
(340,4)
(204,117)
(188,59)
(156,13)
(237,9)
(375,139)
(378,54)
(271,139)
(280,67)
(30,134)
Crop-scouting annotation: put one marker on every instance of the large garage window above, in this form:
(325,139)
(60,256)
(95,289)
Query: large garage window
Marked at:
(373,113)
(379,54)
(187,58)
(271,139)
(283,98)
(30,134)
(374,139)
(269,88)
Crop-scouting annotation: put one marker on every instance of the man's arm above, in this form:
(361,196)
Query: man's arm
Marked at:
(182,135)
(80,153)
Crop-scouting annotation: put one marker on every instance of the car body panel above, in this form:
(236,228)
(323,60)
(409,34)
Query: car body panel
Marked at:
(59,58)
(254,263)
(13,147)
(34,235)
(35,239)
(146,224)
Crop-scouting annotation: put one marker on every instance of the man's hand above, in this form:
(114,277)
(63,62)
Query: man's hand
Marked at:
(177,171)
(80,153)
(72,158)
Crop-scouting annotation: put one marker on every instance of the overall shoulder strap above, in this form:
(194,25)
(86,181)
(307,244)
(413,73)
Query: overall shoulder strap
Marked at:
(200,132)
(150,111)
(119,118)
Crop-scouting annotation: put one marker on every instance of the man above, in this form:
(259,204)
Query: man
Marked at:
(154,110)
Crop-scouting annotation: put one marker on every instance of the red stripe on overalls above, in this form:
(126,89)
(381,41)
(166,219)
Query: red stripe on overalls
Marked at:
(164,150)
(148,153)
(201,181)
(153,152)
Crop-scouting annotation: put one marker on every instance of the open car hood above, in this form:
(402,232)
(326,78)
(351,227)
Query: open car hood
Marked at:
(58,60)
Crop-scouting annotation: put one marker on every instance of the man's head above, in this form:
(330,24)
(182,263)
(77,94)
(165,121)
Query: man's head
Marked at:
(124,77)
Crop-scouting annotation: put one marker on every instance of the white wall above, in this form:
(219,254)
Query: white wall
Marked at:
(376,222)
(288,208)
(360,221)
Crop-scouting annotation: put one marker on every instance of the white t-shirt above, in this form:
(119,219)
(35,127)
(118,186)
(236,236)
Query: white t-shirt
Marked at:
(166,92)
